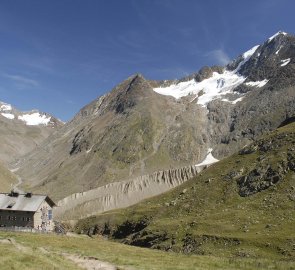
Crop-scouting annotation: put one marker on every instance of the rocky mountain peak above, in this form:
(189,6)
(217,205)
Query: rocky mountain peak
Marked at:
(129,93)
(123,96)
(272,59)
(277,35)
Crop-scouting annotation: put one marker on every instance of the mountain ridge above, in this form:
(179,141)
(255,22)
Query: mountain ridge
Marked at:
(21,132)
(133,130)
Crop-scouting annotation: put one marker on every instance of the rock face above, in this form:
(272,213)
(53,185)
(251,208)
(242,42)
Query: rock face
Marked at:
(133,130)
(122,194)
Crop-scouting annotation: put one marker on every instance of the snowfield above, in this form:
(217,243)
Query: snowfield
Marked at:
(8,115)
(35,119)
(212,88)
(206,90)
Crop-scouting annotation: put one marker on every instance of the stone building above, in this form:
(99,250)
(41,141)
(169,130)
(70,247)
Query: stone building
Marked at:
(26,210)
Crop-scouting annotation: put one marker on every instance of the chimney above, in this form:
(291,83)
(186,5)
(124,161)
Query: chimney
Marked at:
(28,195)
(13,193)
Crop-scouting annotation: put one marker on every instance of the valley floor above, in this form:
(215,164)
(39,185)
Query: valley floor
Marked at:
(33,251)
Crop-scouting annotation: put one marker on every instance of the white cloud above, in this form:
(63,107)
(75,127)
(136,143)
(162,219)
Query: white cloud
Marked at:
(219,56)
(21,80)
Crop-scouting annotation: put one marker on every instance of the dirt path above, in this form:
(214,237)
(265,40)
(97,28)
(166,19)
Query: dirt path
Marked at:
(20,181)
(84,262)
(17,245)
(89,263)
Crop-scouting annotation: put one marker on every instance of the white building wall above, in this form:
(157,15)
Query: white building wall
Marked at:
(42,219)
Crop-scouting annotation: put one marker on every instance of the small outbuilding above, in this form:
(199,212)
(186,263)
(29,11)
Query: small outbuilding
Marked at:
(26,210)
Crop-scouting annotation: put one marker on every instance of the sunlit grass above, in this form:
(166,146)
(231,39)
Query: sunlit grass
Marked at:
(126,257)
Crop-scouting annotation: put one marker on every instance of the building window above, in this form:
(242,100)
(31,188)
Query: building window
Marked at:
(8,217)
(28,219)
(50,214)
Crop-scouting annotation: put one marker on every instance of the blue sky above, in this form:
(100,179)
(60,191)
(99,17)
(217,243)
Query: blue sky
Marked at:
(59,55)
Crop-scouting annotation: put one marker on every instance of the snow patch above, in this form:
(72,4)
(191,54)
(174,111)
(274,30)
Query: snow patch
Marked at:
(34,119)
(8,115)
(246,55)
(233,101)
(277,52)
(277,34)
(257,83)
(5,107)
(285,62)
(249,53)
(209,159)
(14,170)
(236,100)
(206,90)
(89,150)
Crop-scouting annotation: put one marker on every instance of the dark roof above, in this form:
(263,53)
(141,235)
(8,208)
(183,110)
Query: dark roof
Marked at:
(23,202)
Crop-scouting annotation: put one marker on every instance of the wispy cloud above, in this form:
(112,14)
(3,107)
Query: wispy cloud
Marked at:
(171,72)
(69,101)
(220,56)
(21,81)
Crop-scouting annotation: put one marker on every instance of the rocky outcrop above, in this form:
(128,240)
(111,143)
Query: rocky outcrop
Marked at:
(258,180)
(122,194)
(269,169)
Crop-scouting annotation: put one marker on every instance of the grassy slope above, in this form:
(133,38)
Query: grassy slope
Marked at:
(207,216)
(33,250)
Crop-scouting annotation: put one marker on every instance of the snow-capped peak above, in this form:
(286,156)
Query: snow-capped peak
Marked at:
(4,107)
(31,118)
(34,119)
(6,110)
(277,34)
